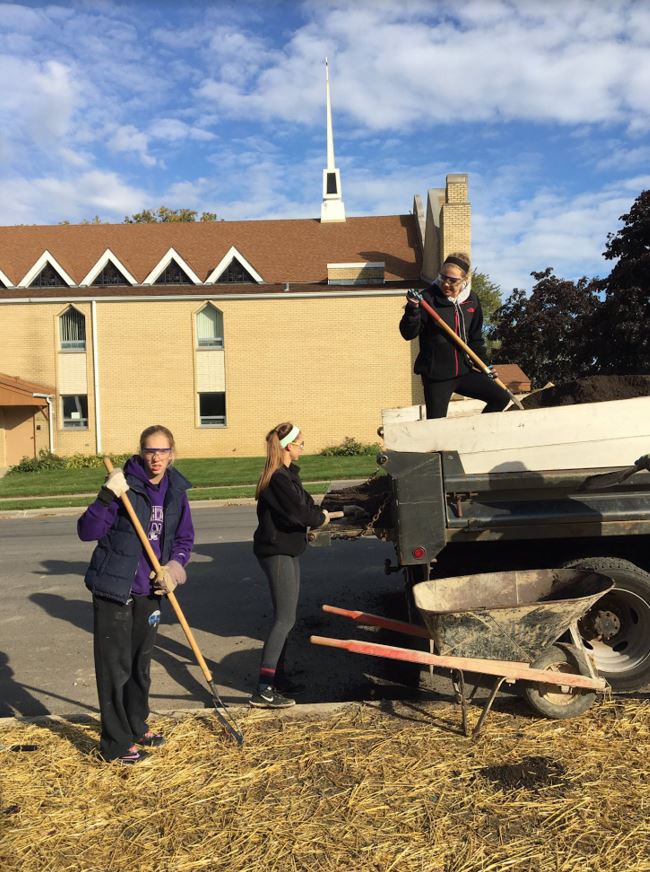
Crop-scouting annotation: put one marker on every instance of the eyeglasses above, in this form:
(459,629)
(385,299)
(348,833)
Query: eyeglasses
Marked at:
(450,280)
(152,452)
(298,444)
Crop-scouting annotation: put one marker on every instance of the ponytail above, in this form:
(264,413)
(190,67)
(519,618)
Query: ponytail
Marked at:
(274,455)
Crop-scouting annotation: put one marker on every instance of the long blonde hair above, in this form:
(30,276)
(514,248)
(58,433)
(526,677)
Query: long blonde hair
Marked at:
(274,455)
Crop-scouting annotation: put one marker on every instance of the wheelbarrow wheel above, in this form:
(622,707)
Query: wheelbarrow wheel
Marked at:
(553,700)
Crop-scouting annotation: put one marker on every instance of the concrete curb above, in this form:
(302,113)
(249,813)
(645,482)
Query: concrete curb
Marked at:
(322,709)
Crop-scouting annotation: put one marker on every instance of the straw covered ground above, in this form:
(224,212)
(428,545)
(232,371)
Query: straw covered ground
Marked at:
(364,788)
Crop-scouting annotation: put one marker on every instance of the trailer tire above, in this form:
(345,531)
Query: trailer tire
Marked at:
(624,658)
(554,701)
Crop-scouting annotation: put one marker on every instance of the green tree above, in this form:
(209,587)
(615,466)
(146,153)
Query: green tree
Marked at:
(549,333)
(489,293)
(624,318)
(163,215)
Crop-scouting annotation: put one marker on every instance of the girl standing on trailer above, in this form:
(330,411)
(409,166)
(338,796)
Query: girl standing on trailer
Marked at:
(284,512)
(442,366)
(126,592)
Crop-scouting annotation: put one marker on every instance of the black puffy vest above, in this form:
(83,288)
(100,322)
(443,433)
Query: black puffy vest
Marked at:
(114,561)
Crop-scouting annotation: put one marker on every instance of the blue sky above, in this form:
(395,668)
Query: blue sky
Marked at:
(107,108)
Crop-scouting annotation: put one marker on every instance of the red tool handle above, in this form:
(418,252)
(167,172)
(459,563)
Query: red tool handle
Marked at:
(379,621)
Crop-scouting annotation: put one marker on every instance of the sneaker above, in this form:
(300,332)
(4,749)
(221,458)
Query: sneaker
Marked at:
(268,697)
(133,756)
(151,740)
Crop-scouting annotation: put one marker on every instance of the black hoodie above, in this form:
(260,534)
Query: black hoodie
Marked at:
(284,511)
(440,358)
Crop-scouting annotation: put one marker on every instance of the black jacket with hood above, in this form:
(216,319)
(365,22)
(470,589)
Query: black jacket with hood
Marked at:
(284,511)
(439,358)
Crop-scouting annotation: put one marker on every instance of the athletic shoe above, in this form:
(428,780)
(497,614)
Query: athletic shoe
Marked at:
(133,756)
(151,740)
(268,697)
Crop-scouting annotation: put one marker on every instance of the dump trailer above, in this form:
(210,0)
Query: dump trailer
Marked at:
(521,490)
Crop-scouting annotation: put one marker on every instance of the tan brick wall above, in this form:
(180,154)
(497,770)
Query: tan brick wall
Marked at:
(456,216)
(330,364)
(355,273)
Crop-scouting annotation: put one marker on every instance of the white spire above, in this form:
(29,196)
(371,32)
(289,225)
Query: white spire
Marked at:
(332,208)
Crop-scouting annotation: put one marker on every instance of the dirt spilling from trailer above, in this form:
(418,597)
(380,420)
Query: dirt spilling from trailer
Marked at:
(373,496)
(594,389)
(399,788)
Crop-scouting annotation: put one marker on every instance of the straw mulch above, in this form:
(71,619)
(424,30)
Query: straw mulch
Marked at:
(363,789)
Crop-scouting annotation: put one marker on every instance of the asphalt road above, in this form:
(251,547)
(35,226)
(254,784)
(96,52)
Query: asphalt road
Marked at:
(46,663)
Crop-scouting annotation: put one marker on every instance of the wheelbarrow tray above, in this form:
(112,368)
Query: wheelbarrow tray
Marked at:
(506,615)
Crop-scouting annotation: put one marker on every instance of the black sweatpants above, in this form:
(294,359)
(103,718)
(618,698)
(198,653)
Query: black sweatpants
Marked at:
(476,385)
(283,574)
(124,637)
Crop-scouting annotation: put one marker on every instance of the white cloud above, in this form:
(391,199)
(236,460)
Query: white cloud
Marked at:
(174,130)
(37,99)
(550,228)
(569,63)
(128,139)
(50,199)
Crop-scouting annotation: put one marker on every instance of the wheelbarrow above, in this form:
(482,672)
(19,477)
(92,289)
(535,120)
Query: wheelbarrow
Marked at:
(501,624)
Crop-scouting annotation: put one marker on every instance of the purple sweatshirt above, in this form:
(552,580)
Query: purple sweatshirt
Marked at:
(98,519)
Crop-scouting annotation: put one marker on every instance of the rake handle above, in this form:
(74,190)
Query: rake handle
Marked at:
(155,563)
(468,351)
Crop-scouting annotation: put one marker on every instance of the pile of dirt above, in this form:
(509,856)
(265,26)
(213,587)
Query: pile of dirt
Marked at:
(594,389)
(372,496)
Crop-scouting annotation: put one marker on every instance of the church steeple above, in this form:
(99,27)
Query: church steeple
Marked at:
(332,208)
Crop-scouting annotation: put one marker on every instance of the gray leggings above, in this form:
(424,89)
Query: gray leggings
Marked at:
(283,573)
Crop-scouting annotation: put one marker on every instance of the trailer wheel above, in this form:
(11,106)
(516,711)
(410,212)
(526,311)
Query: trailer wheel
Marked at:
(616,631)
(554,700)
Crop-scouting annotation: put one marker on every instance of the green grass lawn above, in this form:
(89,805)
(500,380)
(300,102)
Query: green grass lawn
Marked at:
(225,473)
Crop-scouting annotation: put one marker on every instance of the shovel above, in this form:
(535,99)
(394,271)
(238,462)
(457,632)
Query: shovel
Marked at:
(610,479)
(226,720)
(417,295)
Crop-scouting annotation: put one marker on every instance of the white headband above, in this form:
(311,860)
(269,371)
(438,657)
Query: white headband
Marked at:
(291,435)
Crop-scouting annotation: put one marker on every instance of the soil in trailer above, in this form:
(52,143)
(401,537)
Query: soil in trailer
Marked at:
(593,389)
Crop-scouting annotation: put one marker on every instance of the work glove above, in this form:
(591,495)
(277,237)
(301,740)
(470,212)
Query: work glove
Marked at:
(170,576)
(643,462)
(113,488)
(327,518)
(413,297)
(354,512)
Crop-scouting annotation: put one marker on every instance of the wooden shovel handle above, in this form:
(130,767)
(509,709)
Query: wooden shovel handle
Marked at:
(473,356)
(155,563)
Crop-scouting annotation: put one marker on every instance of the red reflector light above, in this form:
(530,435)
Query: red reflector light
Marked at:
(419,552)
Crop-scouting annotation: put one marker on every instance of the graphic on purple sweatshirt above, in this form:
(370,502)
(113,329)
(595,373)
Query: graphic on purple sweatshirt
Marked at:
(98,519)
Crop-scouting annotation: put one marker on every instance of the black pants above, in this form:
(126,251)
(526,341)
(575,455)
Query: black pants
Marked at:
(123,645)
(476,385)
(283,574)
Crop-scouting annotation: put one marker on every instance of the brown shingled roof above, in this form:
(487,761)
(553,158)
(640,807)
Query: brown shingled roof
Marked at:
(513,377)
(280,250)
(18,392)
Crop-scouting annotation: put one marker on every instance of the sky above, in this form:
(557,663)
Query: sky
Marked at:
(108,108)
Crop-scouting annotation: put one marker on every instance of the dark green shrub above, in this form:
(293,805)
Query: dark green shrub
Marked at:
(46,461)
(351,447)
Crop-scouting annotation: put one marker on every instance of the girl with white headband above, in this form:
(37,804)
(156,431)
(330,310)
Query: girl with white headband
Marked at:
(284,512)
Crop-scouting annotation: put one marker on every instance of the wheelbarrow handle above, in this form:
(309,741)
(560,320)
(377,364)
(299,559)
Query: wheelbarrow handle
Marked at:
(378,621)
(507,669)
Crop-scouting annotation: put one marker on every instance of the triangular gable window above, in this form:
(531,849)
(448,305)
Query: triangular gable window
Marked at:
(48,277)
(110,275)
(173,274)
(236,273)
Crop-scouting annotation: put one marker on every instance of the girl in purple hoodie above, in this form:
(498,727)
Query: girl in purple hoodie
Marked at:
(126,591)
